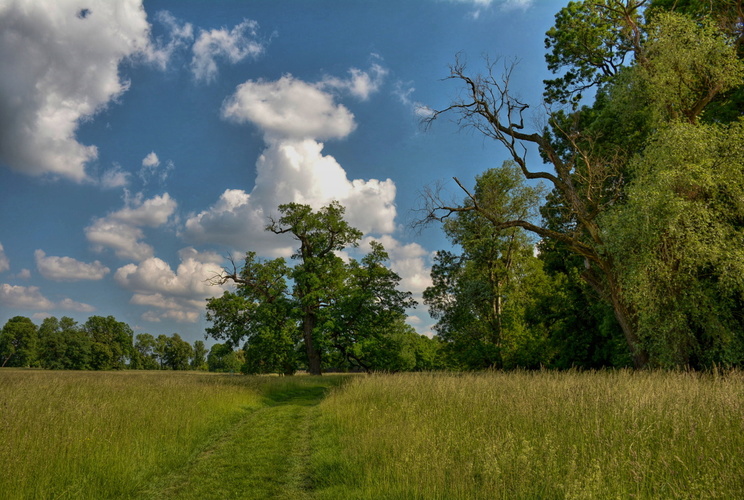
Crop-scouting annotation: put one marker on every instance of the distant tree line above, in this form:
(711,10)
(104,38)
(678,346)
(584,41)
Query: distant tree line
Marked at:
(103,343)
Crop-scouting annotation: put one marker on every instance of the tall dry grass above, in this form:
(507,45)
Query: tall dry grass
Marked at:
(614,434)
(106,435)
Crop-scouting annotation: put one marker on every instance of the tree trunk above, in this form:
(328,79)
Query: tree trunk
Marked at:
(610,290)
(313,356)
(624,317)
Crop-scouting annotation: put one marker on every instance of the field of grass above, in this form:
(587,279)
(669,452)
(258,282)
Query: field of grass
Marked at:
(538,435)
(615,434)
(98,435)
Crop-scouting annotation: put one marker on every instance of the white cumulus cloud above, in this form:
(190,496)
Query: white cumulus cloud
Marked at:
(68,269)
(114,177)
(152,213)
(72,305)
(179,295)
(23,274)
(289,108)
(60,67)
(294,116)
(30,297)
(121,230)
(234,45)
(151,160)
(151,168)
(23,297)
(180,34)
(123,238)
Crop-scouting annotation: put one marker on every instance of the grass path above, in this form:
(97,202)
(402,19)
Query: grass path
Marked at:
(265,455)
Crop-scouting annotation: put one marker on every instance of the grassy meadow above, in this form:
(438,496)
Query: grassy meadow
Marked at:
(613,434)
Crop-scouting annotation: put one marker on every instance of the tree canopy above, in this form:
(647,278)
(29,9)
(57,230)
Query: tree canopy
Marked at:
(323,311)
(644,182)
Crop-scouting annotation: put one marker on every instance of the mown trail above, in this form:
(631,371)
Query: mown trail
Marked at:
(265,455)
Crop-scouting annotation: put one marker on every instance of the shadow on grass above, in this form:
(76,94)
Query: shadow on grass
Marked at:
(301,391)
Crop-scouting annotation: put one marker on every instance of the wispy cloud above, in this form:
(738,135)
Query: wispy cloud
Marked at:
(235,45)
(4,261)
(360,83)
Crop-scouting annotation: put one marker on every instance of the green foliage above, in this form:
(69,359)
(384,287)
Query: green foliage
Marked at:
(63,345)
(178,353)
(261,314)
(688,65)
(199,358)
(345,315)
(479,297)
(112,342)
(144,357)
(366,323)
(655,245)
(223,358)
(100,344)
(680,240)
(593,39)
(18,342)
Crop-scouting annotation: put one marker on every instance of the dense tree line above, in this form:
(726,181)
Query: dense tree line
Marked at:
(640,239)
(100,344)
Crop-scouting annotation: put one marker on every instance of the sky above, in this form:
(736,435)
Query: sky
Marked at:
(142,142)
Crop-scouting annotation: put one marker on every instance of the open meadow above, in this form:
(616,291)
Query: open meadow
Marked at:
(610,434)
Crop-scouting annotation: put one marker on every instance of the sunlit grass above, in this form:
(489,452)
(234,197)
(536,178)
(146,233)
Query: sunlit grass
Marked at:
(615,434)
(105,435)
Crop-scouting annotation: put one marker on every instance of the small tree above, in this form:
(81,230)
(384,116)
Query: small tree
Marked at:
(18,342)
(199,357)
(144,352)
(223,358)
(178,352)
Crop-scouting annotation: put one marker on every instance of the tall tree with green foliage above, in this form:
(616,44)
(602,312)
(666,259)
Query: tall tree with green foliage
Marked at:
(319,271)
(679,239)
(223,358)
(679,67)
(475,294)
(63,345)
(178,353)
(331,306)
(112,342)
(261,312)
(143,357)
(366,317)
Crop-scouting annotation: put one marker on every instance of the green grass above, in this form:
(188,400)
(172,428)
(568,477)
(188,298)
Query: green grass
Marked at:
(265,456)
(534,435)
(524,435)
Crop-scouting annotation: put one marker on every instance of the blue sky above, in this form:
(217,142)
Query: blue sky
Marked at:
(141,142)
